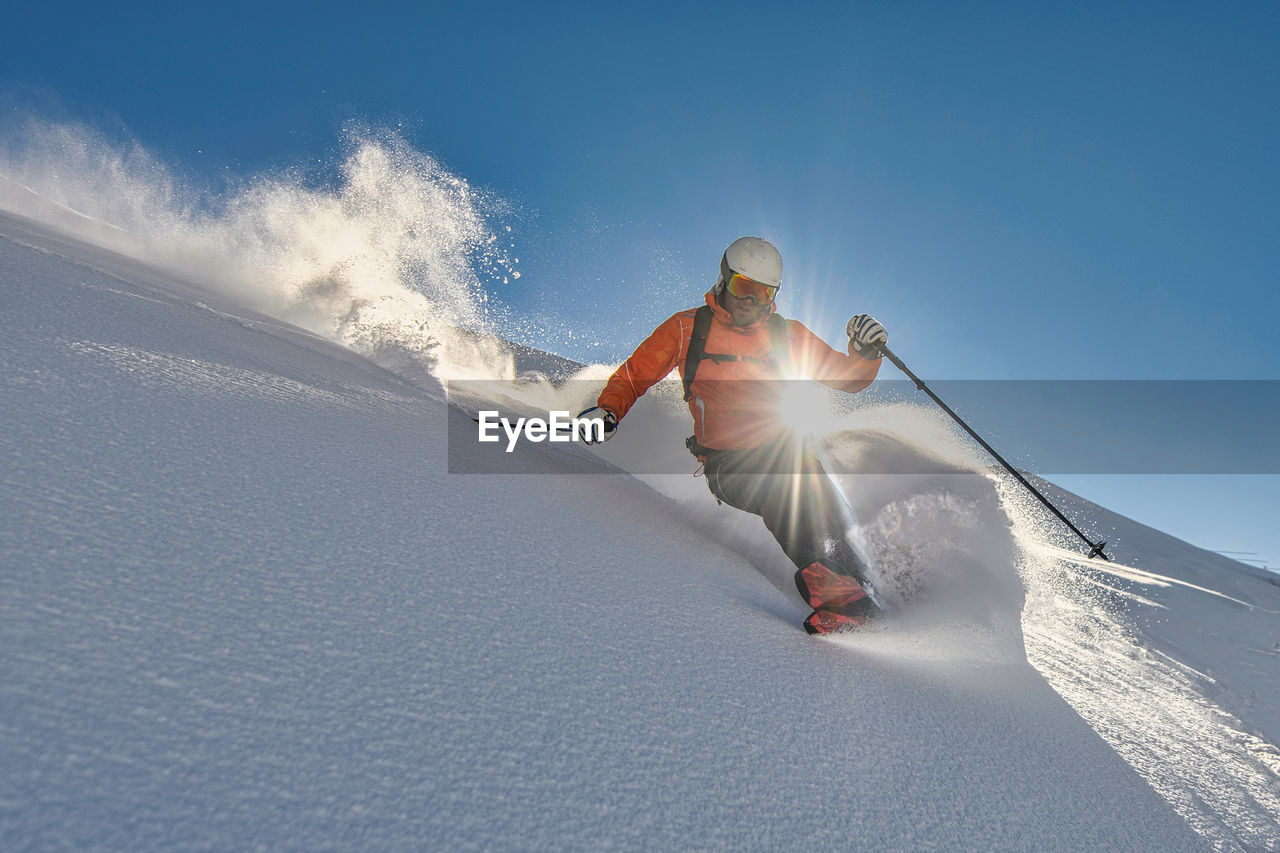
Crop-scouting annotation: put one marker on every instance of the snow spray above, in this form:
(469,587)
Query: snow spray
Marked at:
(389,255)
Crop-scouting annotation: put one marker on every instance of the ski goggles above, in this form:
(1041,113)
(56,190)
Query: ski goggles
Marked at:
(741,287)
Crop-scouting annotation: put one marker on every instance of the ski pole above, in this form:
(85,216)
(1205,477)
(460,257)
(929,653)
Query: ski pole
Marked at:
(1095,549)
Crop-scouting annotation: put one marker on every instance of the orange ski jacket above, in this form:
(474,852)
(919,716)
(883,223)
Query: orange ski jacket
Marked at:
(731,408)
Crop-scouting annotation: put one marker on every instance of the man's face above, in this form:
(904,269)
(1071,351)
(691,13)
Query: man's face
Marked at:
(744,311)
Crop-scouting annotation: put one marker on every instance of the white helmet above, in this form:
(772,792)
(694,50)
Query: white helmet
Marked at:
(753,257)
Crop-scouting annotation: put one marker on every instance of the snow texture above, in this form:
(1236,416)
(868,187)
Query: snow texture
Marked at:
(243,604)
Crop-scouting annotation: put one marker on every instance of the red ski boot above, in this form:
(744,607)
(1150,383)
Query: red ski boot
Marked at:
(839,601)
(826,589)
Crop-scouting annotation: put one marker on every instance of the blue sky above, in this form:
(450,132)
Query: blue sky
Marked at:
(1015,190)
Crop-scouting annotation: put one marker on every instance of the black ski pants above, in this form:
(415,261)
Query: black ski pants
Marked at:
(786,485)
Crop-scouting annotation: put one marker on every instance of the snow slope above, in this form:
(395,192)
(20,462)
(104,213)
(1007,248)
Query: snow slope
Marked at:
(242,603)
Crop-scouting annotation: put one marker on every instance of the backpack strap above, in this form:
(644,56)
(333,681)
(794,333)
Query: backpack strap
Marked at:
(781,349)
(778,342)
(697,346)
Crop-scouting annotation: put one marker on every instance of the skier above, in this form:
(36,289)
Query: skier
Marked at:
(723,350)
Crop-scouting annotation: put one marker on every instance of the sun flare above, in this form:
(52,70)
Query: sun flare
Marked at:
(806,407)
